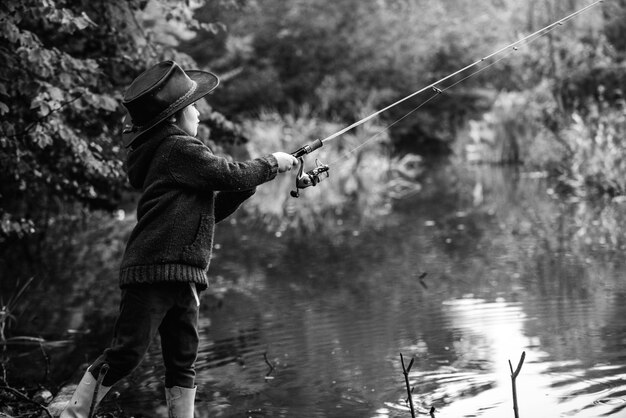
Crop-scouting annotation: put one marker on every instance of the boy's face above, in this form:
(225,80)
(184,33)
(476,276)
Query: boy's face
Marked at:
(189,120)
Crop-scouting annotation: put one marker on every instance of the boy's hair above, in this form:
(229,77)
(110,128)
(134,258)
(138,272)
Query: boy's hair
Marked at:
(177,115)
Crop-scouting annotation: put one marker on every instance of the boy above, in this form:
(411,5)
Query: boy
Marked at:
(185,191)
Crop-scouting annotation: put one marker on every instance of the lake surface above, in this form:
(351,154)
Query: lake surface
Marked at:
(314,326)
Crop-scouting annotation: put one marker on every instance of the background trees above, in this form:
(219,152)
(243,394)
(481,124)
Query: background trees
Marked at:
(339,57)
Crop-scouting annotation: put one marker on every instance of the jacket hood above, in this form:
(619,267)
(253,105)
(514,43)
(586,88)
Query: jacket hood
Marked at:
(140,157)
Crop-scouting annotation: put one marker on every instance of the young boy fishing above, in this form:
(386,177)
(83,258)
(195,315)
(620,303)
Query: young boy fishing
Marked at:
(185,191)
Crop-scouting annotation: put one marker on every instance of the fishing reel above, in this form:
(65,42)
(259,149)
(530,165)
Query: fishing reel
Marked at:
(309,178)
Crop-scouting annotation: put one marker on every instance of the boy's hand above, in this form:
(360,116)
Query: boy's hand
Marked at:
(285,161)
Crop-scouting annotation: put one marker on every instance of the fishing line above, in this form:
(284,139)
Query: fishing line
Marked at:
(524,41)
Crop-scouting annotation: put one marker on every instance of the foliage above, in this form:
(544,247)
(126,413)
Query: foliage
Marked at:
(567,114)
(597,163)
(515,131)
(584,147)
(603,82)
(615,27)
(55,141)
(334,56)
(66,66)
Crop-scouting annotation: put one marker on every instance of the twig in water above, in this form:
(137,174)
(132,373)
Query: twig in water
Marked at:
(513,377)
(405,372)
(267,376)
(421,279)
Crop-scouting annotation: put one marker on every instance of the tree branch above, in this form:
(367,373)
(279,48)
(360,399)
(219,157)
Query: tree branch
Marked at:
(44,117)
(514,375)
(405,372)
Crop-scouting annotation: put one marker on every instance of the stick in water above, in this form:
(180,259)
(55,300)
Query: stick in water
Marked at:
(405,372)
(513,377)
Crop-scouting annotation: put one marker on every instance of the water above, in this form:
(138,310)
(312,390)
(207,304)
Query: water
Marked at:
(314,327)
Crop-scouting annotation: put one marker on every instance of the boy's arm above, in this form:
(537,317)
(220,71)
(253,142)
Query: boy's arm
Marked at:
(228,202)
(192,164)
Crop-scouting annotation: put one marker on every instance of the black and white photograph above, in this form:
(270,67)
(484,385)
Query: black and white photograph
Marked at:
(312,208)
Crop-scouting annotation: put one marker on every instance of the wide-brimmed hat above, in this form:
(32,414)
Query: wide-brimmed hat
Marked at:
(158,93)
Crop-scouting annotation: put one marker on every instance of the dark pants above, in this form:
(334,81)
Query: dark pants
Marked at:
(169,308)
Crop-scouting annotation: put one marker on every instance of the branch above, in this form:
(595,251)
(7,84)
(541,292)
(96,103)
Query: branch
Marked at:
(519,365)
(405,372)
(271,367)
(514,375)
(46,116)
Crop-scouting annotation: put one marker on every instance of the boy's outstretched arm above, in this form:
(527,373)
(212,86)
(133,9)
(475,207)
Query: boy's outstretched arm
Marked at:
(192,164)
(227,202)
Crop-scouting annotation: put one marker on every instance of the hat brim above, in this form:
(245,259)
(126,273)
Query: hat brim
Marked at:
(206,83)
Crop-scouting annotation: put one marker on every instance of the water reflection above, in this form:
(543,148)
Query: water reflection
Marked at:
(507,270)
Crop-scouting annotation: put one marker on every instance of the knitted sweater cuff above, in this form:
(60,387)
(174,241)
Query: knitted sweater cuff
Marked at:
(273,162)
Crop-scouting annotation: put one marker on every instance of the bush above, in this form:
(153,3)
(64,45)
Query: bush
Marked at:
(521,128)
(597,140)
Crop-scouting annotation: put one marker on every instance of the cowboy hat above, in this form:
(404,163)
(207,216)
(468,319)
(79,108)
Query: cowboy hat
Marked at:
(158,93)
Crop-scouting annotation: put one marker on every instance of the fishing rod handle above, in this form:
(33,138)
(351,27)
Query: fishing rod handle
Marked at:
(308,148)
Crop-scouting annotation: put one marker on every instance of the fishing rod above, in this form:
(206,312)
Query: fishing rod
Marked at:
(314,176)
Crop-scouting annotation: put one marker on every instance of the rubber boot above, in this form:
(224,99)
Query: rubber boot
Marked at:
(80,404)
(180,401)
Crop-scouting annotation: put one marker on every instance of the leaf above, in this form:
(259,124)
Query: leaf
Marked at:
(56,93)
(66,80)
(3,108)
(80,23)
(10,32)
(108,103)
(41,138)
(88,19)
(7,128)
(213,27)
(102,101)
